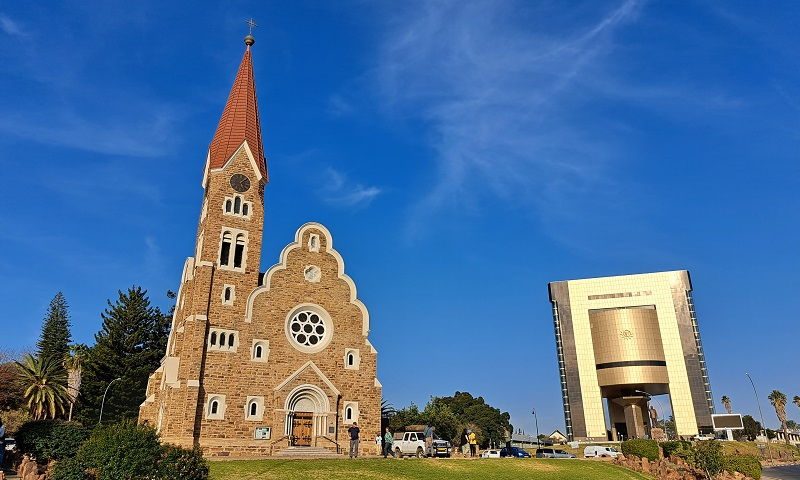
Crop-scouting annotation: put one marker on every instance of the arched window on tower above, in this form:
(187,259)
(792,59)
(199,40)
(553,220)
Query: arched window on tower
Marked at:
(213,339)
(222,339)
(245,209)
(253,408)
(348,414)
(237,204)
(225,251)
(351,359)
(214,407)
(231,340)
(228,206)
(259,351)
(239,252)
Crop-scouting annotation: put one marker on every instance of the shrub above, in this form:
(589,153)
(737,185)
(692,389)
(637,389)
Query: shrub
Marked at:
(745,464)
(708,456)
(641,447)
(122,452)
(181,463)
(69,469)
(48,440)
(673,448)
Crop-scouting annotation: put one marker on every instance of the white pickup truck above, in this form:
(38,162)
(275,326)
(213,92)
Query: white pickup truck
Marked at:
(413,443)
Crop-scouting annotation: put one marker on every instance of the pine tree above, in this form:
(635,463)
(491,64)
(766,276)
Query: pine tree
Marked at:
(129,346)
(55,338)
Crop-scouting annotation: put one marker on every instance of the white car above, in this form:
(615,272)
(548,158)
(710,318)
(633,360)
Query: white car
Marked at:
(701,437)
(492,453)
(593,451)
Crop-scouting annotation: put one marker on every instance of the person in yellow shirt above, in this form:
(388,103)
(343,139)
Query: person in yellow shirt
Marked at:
(473,442)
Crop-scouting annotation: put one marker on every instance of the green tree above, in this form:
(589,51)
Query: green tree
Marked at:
(726,402)
(129,346)
(45,386)
(752,428)
(11,392)
(796,400)
(778,400)
(439,415)
(791,425)
(55,337)
(406,416)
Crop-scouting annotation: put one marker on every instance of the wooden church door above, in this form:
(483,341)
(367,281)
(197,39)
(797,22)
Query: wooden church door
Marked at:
(302,424)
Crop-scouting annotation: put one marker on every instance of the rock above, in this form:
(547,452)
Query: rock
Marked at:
(645,465)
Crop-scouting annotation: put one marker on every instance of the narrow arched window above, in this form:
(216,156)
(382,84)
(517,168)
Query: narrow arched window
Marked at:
(239,253)
(245,209)
(259,351)
(231,339)
(221,339)
(214,407)
(227,206)
(227,294)
(213,338)
(351,359)
(237,204)
(253,409)
(225,251)
(348,413)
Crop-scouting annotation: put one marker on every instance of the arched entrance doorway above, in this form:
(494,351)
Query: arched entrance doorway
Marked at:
(307,409)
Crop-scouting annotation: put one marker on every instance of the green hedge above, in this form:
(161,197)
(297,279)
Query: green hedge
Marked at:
(708,456)
(640,447)
(69,469)
(675,447)
(181,463)
(746,464)
(48,440)
(121,452)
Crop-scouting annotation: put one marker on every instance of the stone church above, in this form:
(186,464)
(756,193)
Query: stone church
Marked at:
(257,362)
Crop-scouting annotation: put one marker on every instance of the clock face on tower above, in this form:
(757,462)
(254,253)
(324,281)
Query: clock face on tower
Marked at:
(240,183)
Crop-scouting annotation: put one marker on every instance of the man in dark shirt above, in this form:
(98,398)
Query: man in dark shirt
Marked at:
(353,431)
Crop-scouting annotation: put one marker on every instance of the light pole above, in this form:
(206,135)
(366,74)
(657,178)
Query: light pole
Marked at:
(763,425)
(103,404)
(663,412)
(536,419)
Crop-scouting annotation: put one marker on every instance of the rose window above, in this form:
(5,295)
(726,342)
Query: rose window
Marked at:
(307,328)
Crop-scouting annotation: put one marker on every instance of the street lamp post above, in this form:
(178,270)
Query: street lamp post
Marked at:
(763,425)
(103,404)
(536,419)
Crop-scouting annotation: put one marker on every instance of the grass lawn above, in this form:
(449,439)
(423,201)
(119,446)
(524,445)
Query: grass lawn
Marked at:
(412,469)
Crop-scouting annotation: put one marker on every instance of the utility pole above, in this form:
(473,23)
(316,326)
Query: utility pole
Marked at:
(536,419)
(761,414)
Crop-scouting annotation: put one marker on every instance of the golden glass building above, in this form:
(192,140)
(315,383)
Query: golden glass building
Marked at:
(621,340)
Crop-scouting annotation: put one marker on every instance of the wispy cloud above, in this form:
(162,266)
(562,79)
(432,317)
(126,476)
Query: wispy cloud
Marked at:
(503,93)
(10,27)
(341,191)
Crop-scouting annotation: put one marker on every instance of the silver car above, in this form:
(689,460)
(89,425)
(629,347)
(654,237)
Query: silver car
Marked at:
(552,453)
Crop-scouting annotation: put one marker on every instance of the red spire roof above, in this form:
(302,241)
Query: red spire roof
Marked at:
(239,121)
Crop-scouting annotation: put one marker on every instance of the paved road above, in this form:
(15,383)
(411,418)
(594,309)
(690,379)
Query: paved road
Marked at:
(791,472)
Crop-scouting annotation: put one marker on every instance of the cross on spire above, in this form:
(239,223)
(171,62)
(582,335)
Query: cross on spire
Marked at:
(252,24)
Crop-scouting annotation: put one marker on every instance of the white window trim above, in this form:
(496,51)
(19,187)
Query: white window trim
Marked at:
(221,348)
(354,406)
(265,354)
(233,294)
(232,253)
(259,416)
(220,415)
(326,320)
(199,252)
(356,359)
(313,242)
(234,214)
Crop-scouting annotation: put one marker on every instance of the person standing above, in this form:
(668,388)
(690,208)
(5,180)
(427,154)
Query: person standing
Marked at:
(464,442)
(473,443)
(354,431)
(388,440)
(2,443)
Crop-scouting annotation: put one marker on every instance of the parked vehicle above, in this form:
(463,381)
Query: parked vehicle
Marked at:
(413,443)
(552,453)
(600,451)
(491,453)
(514,452)
(704,437)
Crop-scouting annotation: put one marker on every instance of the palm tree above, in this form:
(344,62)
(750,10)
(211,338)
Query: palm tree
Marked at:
(778,400)
(387,410)
(726,402)
(796,400)
(45,386)
(73,363)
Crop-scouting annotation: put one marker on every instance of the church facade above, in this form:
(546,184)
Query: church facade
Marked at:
(260,361)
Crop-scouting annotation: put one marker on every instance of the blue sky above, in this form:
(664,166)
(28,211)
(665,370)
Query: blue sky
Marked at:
(463,155)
